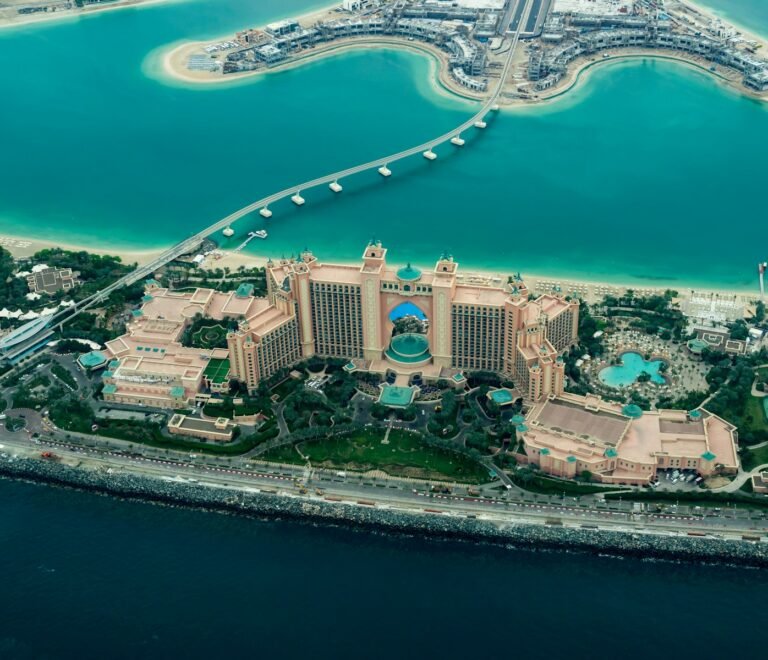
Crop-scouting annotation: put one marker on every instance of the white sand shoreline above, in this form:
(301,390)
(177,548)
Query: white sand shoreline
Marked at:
(174,56)
(233,261)
(46,18)
(26,247)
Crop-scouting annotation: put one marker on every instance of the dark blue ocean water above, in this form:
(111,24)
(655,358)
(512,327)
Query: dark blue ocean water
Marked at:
(83,576)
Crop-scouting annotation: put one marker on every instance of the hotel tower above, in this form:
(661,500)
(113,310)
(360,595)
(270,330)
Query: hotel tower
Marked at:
(473,323)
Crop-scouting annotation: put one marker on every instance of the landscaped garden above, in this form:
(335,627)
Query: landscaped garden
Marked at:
(205,333)
(703,499)
(403,453)
(63,375)
(70,414)
(210,336)
(530,480)
(14,424)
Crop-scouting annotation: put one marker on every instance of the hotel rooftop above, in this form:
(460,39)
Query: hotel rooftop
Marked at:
(623,444)
(150,365)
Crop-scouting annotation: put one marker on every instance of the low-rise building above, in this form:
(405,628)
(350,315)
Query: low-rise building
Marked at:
(215,430)
(92,361)
(149,364)
(568,435)
(51,280)
(760,482)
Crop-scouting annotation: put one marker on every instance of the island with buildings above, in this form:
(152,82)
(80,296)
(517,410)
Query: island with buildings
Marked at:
(20,12)
(574,413)
(472,39)
(319,383)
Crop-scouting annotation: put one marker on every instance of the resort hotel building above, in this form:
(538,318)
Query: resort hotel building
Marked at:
(471,322)
(455,323)
(570,434)
(148,365)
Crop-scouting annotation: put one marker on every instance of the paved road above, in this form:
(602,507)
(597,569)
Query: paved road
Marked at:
(390,493)
(739,481)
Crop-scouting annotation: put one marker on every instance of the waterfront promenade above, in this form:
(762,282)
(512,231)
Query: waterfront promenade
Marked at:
(496,503)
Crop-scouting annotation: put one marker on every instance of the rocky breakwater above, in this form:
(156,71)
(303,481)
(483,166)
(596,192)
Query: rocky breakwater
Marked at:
(268,504)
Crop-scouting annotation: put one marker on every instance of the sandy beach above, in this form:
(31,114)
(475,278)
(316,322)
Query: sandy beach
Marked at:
(708,14)
(21,247)
(588,288)
(173,62)
(10,18)
(580,71)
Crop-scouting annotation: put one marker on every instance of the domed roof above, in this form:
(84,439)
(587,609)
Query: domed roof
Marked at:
(408,273)
(632,410)
(697,345)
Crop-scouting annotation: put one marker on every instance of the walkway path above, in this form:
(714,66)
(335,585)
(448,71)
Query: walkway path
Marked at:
(740,480)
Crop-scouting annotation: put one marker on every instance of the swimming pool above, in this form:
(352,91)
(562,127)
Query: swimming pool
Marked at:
(632,365)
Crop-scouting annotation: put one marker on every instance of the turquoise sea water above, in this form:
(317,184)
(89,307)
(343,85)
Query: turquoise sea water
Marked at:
(751,14)
(647,171)
(632,365)
(97,149)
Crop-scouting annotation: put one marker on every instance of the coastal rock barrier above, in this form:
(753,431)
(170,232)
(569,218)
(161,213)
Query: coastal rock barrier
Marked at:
(272,505)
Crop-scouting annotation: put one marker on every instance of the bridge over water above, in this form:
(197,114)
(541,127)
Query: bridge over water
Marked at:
(476,121)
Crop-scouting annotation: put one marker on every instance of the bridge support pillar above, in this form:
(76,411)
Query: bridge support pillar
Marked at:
(335,186)
(457,140)
(385,171)
(298,199)
(480,124)
(265,213)
(429,154)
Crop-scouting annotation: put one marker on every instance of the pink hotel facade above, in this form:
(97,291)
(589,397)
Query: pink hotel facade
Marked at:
(570,434)
(474,323)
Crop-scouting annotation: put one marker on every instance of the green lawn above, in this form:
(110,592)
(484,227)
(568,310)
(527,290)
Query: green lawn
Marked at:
(404,455)
(217,370)
(226,408)
(754,457)
(754,409)
(283,454)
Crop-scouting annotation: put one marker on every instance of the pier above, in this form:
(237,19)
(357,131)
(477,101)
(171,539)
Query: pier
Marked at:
(251,236)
